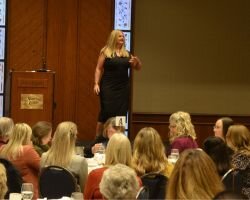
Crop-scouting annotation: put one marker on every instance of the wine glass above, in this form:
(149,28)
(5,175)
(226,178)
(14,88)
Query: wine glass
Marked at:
(27,191)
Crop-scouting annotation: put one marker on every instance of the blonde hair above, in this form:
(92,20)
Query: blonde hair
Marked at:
(63,145)
(111,122)
(118,150)
(20,136)
(119,182)
(109,49)
(148,152)
(6,127)
(183,123)
(238,138)
(3,181)
(194,177)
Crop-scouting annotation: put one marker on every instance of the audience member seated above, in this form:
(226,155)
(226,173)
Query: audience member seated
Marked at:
(109,129)
(238,138)
(119,182)
(149,157)
(20,151)
(14,178)
(118,151)
(3,182)
(194,177)
(149,153)
(62,152)
(41,136)
(6,127)
(221,127)
(182,134)
(220,153)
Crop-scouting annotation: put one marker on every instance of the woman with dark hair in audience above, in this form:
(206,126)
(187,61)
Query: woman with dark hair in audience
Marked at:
(221,127)
(6,127)
(194,177)
(20,151)
(41,136)
(220,153)
(238,139)
(181,132)
(109,129)
(62,152)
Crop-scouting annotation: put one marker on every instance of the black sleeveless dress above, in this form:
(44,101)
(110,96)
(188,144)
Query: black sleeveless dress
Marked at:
(114,88)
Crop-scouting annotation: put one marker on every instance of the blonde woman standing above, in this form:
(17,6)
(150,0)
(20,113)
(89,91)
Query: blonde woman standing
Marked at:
(111,78)
(21,153)
(62,152)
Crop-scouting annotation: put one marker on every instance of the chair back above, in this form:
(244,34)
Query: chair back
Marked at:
(56,182)
(14,178)
(143,193)
(237,181)
(156,184)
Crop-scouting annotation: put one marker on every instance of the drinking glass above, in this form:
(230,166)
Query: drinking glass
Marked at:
(27,191)
(175,153)
(79,150)
(101,149)
(77,196)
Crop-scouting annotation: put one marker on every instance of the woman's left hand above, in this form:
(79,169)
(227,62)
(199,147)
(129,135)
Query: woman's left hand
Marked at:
(135,62)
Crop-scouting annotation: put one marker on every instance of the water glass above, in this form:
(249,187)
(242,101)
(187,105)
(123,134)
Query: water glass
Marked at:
(79,150)
(175,153)
(101,149)
(27,191)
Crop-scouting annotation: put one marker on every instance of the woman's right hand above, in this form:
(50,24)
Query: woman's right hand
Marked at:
(96,89)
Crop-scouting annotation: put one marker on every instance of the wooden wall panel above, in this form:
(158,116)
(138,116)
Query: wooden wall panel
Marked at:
(61,55)
(203,124)
(25,34)
(67,35)
(94,26)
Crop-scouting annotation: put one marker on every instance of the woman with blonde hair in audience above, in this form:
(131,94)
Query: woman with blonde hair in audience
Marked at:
(194,177)
(6,127)
(181,132)
(20,151)
(118,151)
(3,182)
(62,152)
(238,139)
(41,136)
(149,153)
